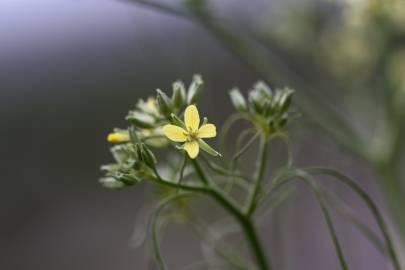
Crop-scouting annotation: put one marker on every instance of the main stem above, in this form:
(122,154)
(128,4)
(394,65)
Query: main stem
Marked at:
(244,220)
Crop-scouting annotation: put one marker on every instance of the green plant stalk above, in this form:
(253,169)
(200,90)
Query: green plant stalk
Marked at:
(370,204)
(244,220)
(155,238)
(394,195)
(236,157)
(325,212)
(225,251)
(252,202)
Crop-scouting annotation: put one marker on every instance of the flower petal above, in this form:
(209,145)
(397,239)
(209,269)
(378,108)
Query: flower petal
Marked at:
(175,133)
(191,118)
(207,131)
(192,148)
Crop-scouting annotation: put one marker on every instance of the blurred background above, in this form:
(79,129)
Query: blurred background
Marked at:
(70,71)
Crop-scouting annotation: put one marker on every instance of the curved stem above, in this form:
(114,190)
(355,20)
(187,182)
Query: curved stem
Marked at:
(244,220)
(299,175)
(369,202)
(236,157)
(156,247)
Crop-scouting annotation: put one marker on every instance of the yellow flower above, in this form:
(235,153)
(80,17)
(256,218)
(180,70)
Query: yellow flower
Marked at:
(192,134)
(117,137)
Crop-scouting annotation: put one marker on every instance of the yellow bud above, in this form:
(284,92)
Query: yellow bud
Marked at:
(117,137)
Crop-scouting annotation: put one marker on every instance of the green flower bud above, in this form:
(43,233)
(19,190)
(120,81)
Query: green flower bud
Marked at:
(286,99)
(256,101)
(121,153)
(111,183)
(126,178)
(238,100)
(147,156)
(194,89)
(263,89)
(140,120)
(164,103)
(179,94)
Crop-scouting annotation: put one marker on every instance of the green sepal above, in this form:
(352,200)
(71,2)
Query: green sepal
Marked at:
(177,121)
(205,146)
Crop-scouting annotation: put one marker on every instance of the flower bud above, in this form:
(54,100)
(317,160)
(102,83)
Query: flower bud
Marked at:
(147,156)
(286,98)
(238,100)
(179,94)
(141,120)
(164,103)
(111,183)
(194,89)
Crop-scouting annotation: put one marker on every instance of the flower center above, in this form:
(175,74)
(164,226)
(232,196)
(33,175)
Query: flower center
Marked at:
(191,134)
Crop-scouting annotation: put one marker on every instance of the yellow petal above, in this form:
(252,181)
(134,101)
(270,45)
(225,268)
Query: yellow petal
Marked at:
(192,148)
(117,137)
(191,118)
(175,133)
(207,131)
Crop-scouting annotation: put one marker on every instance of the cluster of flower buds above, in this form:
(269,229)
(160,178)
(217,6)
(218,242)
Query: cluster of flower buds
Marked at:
(134,160)
(168,106)
(266,108)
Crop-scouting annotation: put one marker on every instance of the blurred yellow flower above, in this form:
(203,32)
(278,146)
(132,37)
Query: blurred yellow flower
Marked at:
(117,137)
(192,134)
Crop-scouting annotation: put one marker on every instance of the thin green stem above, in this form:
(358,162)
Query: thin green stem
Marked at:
(299,175)
(155,238)
(181,173)
(222,171)
(243,150)
(243,220)
(369,202)
(227,126)
(236,157)
(344,210)
(224,250)
(329,222)
(262,159)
